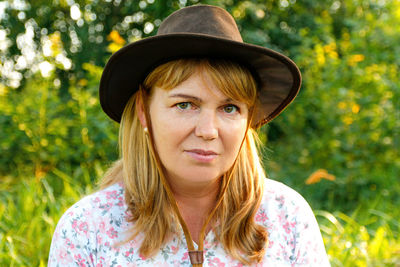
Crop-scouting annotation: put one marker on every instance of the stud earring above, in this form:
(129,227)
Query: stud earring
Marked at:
(146,131)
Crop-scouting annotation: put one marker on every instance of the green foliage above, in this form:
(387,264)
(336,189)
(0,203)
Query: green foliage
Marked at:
(56,143)
(43,133)
(346,117)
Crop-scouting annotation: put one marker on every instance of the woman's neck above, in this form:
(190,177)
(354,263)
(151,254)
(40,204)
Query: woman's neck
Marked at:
(195,202)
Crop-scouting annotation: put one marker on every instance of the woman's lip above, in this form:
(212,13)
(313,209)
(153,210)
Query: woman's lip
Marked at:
(202,152)
(202,155)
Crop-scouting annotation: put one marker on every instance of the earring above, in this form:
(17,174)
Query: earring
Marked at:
(146,131)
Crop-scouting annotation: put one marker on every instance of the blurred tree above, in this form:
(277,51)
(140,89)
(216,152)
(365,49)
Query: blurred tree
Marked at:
(60,36)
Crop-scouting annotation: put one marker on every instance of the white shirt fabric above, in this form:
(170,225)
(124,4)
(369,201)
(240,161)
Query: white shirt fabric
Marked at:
(88,232)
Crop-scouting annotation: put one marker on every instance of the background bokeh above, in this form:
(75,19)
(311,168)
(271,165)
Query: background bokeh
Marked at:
(337,143)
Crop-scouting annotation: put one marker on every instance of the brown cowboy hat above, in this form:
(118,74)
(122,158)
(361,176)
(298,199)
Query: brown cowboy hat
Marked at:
(199,31)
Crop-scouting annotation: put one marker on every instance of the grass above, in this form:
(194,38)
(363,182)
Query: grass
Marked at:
(30,208)
(362,239)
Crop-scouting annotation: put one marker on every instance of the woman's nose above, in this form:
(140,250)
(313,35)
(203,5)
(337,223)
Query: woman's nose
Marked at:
(206,127)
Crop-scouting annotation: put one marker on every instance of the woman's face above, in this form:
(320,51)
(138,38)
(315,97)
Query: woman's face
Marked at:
(197,130)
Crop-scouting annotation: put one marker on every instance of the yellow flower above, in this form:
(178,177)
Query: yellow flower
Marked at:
(348,120)
(116,38)
(355,108)
(316,176)
(330,50)
(117,42)
(113,47)
(354,59)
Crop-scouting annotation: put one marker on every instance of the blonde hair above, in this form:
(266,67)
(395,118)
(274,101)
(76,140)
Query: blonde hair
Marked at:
(147,200)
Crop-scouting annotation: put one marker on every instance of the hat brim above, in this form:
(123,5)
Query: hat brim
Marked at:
(278,77)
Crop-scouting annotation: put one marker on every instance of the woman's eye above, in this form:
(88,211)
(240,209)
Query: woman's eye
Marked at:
(184,105)
(231,109)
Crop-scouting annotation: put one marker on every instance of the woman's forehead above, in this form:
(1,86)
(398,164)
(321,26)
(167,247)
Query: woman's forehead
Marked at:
(231,80)
(198,87)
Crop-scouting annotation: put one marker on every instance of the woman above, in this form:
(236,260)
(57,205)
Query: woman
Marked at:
(189,188)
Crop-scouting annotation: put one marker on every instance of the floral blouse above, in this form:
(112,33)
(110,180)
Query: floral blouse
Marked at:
(89,232)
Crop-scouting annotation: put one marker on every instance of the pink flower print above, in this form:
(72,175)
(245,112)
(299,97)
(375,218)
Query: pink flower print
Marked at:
(174,249)
(63,256)
(261,217)
(83,227)
(120,201)
(74,224)
(282,216)
(80,261)
(91,257)
(107,206)
(128,253)
(207,244)
(216,262)
(97,200)
(185,256)
(142,257)
(286,227)
(112,233)
(112,194)
(101,261)
(69,244)
(99,239)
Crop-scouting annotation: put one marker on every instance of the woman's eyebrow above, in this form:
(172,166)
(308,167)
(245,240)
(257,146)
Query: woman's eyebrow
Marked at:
(228,100)
(197,99)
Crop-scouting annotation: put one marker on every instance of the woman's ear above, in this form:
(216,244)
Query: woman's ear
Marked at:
(140,110)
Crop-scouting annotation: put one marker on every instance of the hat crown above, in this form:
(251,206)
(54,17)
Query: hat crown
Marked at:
(201,19)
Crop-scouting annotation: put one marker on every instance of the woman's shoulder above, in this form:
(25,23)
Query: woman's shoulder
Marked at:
(96,217)
(282,202)
(281,195)
(293,231)
(91,211)
(106,201)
